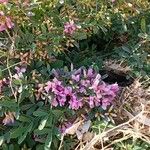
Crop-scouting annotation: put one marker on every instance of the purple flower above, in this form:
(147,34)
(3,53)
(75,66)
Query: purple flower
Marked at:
(20,71)
(58,90)
(97,101)
(91,102)
(56,73)
(48,87)
(82,83)
(82,89)
(54,102)
(85,83)
(74,103)
(90,73)
(105,102)
(61,100)
(68,91)
(96,81)
(56,81)
(76,77)
(70,27)
(5,22)
(114,87)
(77,71)
(99,95)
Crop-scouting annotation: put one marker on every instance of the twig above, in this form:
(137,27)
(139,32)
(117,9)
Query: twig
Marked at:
(8,67)
(95,139)
(61,142)
(11,79)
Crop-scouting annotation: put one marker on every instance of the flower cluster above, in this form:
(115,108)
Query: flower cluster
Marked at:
(5,22)
(19,72)
(5,82)
(4,1)
(81,87)
(70,27)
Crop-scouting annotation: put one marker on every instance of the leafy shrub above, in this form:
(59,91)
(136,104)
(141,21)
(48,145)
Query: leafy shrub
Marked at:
(26,119)
(38,37)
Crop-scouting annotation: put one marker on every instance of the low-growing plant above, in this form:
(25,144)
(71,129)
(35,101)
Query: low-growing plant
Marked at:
(43,104)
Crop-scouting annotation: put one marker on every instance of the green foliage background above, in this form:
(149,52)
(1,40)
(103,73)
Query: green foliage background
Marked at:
(119,30)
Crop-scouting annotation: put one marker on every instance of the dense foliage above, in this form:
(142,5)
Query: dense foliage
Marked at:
(51,54)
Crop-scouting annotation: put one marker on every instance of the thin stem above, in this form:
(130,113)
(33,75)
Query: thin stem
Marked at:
(61,142)
(11,79)
(8,67)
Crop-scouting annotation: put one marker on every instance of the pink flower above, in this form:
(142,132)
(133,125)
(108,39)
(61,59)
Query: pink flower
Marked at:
(61,100)
(113,1)
(48,87)
(58,90)
(9,118)
(96,81)
(90,73)
(114,87)
(1,13)
(20,71)
(91,102)
(85,83)
(76,77)
(54,102)
(88,84)
(68,91)
(4,1)
(105,102)
(74,103)
(65,126)
(56,81)
(9,23)
(5,22)
(77,71)
(70,27)
(82,89)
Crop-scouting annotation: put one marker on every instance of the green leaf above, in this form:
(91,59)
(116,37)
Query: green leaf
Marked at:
(24,118)
(18,132)
(80,35)
(4,147)
(126,49)
(17,82)
(8,103)
(31,110)
(143,24)
(40,113)
(1,140)
(57,64)
(1,74)
(39,147)
(11,147)
(41,132)
(28,129)
(43,123)
(21,139)
(48,141)
(26,107)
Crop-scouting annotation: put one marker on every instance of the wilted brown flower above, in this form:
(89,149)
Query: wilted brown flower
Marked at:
(9,118)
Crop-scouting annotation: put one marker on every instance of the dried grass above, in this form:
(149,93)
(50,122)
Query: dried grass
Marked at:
(133,111)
